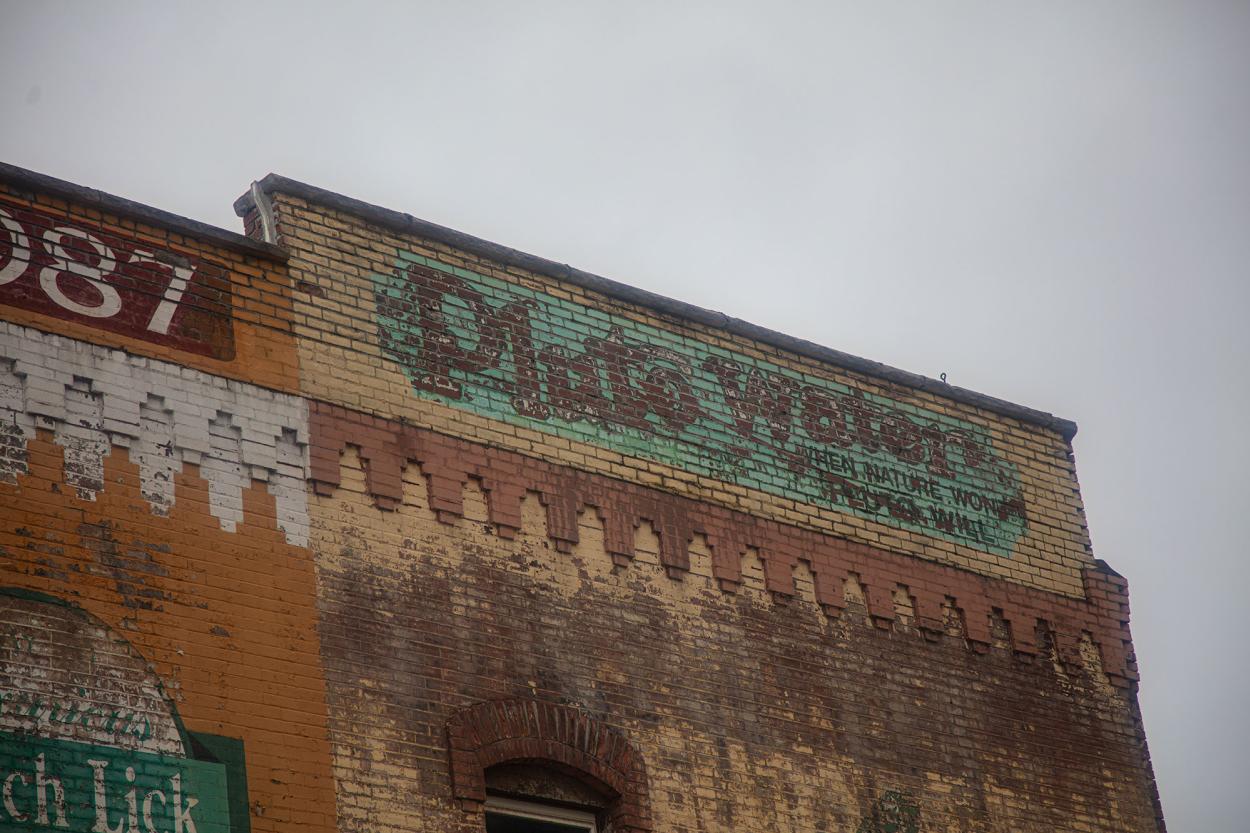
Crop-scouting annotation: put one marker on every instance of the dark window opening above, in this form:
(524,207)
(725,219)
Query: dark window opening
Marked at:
(508,815)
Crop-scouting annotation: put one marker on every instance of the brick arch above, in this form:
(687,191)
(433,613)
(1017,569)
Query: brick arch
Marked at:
(551,734)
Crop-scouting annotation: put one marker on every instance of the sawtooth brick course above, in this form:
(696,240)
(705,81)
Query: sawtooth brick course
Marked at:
(93,398)
(386,447)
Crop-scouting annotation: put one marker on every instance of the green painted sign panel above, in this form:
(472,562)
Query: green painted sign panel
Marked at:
(531,358)
(82,788)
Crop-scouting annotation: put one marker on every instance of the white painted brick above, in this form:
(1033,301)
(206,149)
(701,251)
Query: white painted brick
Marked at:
(168,416)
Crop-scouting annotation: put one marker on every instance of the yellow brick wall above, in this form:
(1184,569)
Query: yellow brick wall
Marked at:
(750,714)
(334,256)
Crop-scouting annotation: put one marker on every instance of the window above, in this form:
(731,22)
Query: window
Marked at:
(533,766)
(507,815)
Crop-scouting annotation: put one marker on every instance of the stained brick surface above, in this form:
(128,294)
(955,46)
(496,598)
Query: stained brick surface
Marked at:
(393,508)
(751,711)
(779,664)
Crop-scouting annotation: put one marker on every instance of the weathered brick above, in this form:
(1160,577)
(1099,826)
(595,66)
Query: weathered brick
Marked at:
(447,506)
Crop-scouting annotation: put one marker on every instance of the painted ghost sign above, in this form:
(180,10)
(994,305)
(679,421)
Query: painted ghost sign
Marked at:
(80,272)
(530,358)
(88,741)
(61,785)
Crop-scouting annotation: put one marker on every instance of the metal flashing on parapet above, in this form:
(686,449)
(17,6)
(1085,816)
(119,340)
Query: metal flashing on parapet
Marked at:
(407,224)
(28,180)
(265,209)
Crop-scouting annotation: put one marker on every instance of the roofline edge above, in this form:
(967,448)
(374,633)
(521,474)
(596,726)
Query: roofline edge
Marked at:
(23,178)
(406,223)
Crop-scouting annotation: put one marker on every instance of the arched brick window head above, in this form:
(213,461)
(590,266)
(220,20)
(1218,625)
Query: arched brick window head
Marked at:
(552,735)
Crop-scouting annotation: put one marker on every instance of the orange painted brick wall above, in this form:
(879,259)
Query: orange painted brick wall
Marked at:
(228,619)
(152,474)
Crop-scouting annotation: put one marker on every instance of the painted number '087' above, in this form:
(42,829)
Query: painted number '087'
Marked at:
(65,267)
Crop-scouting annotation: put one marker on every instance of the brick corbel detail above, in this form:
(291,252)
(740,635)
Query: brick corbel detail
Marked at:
(551,734)
(386,446)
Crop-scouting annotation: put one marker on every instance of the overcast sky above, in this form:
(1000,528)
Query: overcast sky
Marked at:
(1049,202)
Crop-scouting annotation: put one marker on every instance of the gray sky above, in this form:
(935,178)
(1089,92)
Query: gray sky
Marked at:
(1050,202)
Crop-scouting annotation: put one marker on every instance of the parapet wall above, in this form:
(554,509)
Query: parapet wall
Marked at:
(414,329)
(99,268)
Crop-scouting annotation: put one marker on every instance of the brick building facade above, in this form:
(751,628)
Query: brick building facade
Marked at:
(358,523)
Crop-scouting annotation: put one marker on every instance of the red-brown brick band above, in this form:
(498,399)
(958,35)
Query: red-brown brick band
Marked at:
(449,463)
(505,731)
(88,273)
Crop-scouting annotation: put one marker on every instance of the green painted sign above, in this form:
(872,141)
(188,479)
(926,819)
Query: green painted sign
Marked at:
(531,358)
(62,785)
